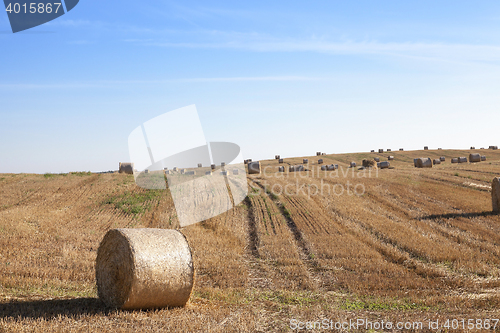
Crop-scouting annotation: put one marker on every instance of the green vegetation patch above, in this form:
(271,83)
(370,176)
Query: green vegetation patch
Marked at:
(134,203)
(376,304)
(51,175)
(82,173)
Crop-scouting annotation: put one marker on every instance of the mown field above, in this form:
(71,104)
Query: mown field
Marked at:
(401,244)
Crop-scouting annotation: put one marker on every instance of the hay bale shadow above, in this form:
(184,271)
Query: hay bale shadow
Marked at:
(455,215)
(53,308)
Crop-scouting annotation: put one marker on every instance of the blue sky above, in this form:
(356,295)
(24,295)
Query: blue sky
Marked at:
(288,78)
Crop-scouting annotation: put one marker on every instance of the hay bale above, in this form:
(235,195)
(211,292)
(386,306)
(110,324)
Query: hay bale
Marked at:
(253,167)
(175,169)
(296,168)
(146,171)
(390,158)
(462,160)
(424,163)
(474,158)
(377,159)
(222,164)
(144,268)
(454,160)
(281,169)
(323,153)
(372,151)
(472,148)
(442,158)
(483,158)
(353,164)
(305,161)
(368,164)
(276,157)
(389,149)
(440,148)
(320,161)
(199,165)
(331,167)
(493,147)
(415,162)
(401,149)
(324,168)
(168,172)
(127,168)
(426,148)
(183,171)
(212,167)
(384,165)
(318,153)
(380,151)
(495,194)
(280,160)
(291,168)
(436,161)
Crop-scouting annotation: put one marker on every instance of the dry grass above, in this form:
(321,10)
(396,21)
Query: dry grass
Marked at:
(419,243)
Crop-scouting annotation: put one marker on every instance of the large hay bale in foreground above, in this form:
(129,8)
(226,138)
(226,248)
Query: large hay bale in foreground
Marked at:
(474,158)
(495,194)
(384,165)
(424,163)
(254,167)
(144,268)
(369,164)
(127,168)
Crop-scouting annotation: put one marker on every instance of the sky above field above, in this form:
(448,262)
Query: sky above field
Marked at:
(279,77)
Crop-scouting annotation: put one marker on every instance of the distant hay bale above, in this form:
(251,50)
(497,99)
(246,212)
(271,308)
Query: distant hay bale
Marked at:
(212,167)
(390,158)
(183,171)
(318,153)
(401,149)
(389,149)
(493,147)
(424,163)
(372,151)
(254,167)
(175,169)
(305,161)
(199,165)
(462,160)
(454,160)
(127,168)
(353,164)
(440,148)
(324,168)
(474,158)
(384,165)
(323,153)
(380,151)
(320,161)
(146,171)
(222,164)
(276,157)
(369,164)
(281,169)
(168,172)
(495,194)
(144,268)
(436,161)
(249,160)
(377,159)
(472,148)
(291,168)
(296,168)
(280,160)
(330,167)
(426,148)
(483,158)
(442,158)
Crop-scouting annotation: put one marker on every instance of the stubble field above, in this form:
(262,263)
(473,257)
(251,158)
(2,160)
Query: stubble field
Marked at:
(397,245)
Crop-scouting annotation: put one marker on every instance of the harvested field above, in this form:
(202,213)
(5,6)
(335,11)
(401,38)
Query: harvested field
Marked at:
(399,244)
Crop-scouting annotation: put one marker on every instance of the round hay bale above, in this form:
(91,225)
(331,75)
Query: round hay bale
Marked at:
(291,168)
(372,151)
(426,148)
(390,158)
(483,158)
(474,158)
(280,160)
(401,149)
(320,161)
(253,167)
(454,160)
(389,149)
(318,153)
(442,158)
(380,151)
(324,168)
(277,157)
(212,166)
(415,162)
(436,161)
(281,169)
(330,167)
(144,268)
(472,148)
(200,165)
(495,194)
(127,168)
(377,159)
(175,168)
(353,164)
(424,163)
(462,160)
(384,165)
(305,161)
(369,164)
